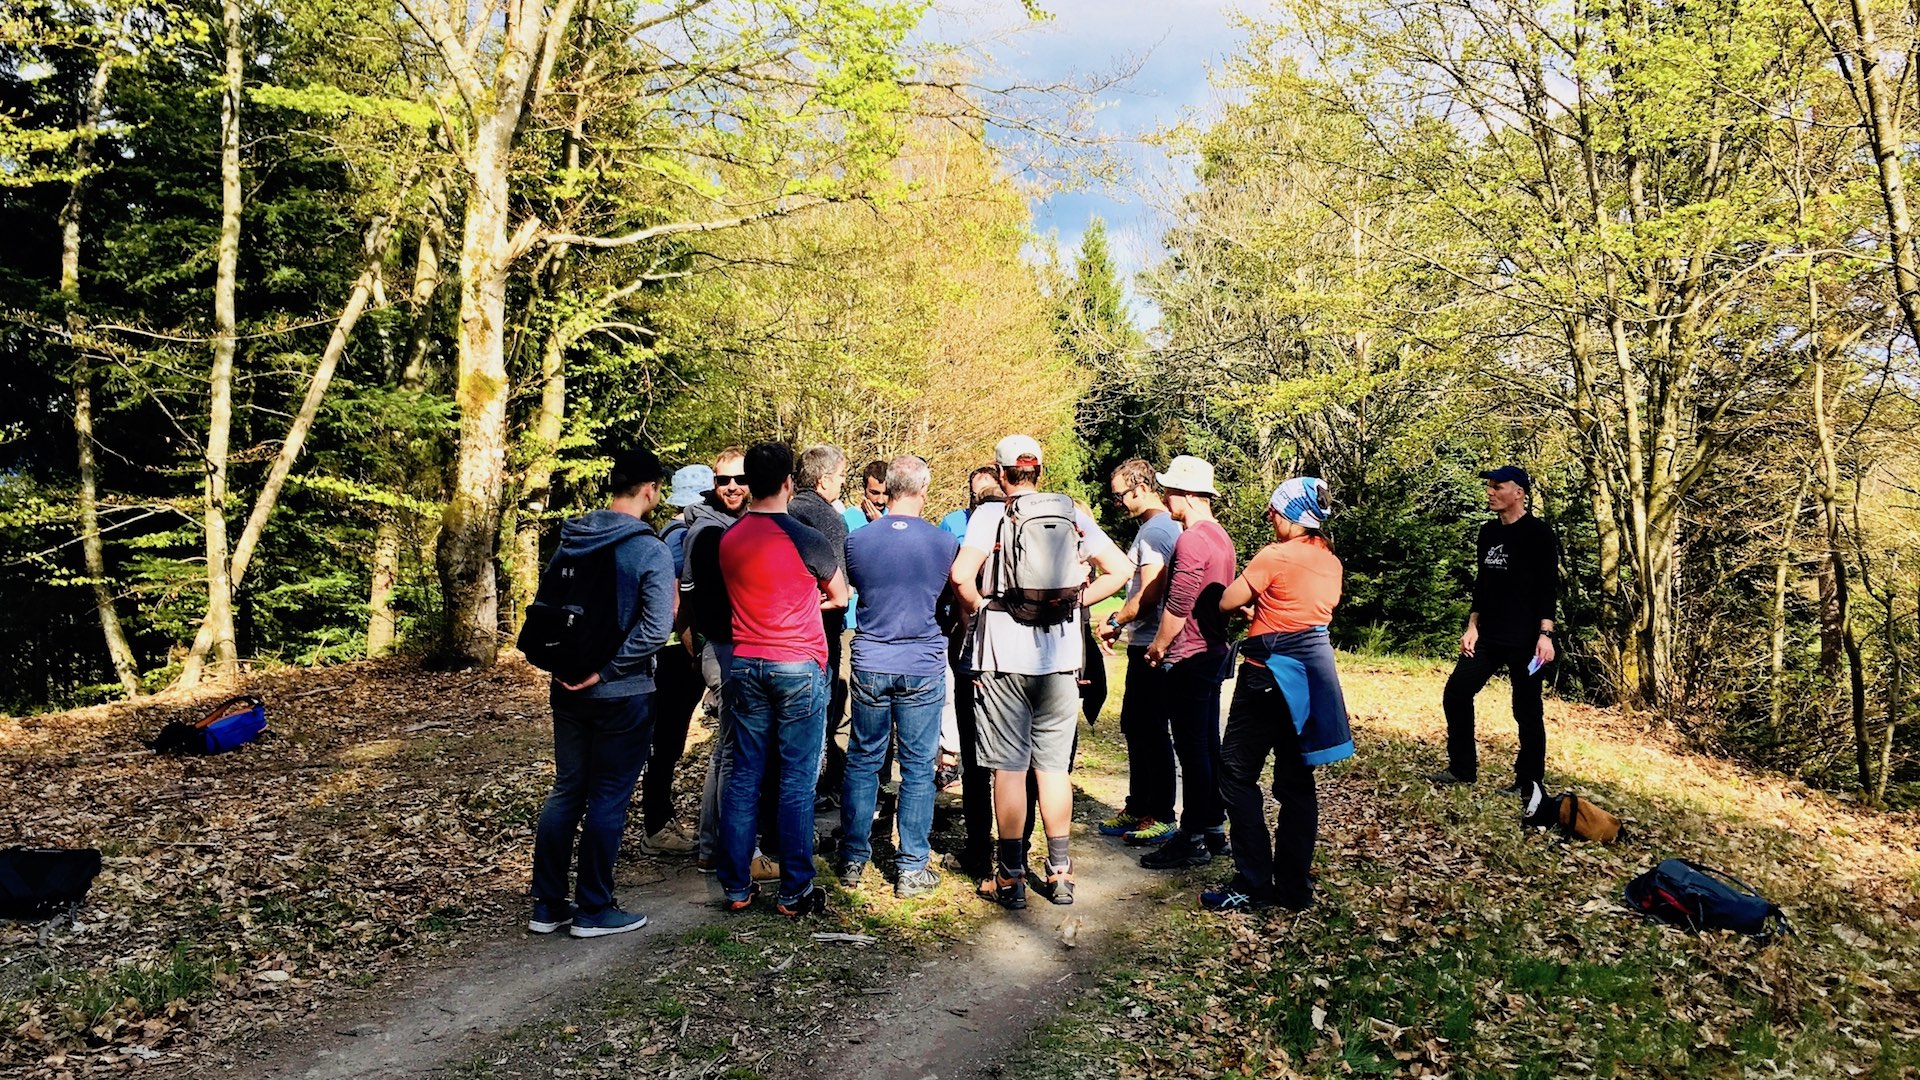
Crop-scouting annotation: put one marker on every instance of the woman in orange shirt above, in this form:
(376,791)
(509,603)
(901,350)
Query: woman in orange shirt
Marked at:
(1288,703)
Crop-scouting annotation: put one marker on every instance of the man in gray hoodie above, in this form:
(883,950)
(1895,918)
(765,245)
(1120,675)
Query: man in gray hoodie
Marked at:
(603,724)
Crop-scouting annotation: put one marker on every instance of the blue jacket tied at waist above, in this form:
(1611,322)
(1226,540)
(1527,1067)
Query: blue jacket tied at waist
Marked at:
(1302,666)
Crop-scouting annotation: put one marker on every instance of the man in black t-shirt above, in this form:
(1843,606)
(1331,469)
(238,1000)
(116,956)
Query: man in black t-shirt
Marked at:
(1516,585)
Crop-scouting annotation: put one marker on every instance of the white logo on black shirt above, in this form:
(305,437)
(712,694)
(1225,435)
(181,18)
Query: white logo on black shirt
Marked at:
(1496,558)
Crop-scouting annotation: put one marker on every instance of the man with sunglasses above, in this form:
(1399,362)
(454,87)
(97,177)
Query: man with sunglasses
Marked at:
(705,620)
(1147,817)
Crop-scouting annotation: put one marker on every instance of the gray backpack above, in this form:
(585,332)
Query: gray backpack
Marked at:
(1037,573)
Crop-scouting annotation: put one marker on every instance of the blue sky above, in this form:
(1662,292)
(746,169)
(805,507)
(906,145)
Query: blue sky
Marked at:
(1174,41)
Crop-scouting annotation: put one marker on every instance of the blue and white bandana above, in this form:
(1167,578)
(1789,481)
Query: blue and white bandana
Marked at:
(1301,500)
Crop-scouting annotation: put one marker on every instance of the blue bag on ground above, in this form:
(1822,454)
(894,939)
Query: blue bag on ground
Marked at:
(1687,894)
(233,723)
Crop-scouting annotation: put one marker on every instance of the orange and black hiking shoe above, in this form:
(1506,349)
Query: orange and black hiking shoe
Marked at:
(813,902)
(732,906)
(1008,892)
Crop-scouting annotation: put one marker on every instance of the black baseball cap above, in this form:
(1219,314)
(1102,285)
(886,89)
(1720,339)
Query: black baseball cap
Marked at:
(1510,472)
(631,468)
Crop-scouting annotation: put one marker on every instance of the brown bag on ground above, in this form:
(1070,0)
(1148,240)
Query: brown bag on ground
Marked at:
(1576,818)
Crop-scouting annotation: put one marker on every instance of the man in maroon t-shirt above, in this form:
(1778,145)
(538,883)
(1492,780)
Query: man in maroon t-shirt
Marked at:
(1192,646)
(780,574)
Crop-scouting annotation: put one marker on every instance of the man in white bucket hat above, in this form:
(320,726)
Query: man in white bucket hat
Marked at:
(1191,647)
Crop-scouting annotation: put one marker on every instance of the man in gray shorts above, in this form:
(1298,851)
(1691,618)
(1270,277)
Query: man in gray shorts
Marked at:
(1026,697)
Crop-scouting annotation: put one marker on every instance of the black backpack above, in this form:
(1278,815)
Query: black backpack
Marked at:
(38,883)
(1686,894)
(573,626)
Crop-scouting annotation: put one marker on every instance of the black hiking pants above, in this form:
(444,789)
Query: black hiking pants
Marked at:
(1258,724)
(677,687)
(1470,674)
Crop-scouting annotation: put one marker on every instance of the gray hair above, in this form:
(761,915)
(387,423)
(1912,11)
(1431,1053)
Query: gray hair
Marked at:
(908,475)
(815,464)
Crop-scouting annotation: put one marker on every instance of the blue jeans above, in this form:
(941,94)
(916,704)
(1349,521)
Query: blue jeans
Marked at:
(599,747)
(779,714)
(880,703)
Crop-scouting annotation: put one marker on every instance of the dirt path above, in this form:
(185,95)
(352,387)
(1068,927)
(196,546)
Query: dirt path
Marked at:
(949,1012)
(970,1006)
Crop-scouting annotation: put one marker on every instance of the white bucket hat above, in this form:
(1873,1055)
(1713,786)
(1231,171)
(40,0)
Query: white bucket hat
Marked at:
(1188,473)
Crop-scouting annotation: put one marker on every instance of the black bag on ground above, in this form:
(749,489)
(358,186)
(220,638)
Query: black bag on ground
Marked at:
(1683,893)
(573,625)
(39,883)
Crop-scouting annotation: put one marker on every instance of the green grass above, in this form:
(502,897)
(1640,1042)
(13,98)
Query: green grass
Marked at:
(137,989)
(1448,939)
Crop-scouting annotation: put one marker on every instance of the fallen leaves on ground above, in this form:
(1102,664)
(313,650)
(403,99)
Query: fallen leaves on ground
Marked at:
(1447,940)
(388,810)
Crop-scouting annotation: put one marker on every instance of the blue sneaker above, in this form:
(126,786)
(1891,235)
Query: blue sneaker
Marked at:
(1236,895)
(549,915)
(610,921)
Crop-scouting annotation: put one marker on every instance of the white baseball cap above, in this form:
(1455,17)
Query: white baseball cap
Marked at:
(1016,450)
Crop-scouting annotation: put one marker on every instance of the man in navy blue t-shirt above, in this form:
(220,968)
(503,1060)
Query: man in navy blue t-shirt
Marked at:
(899,565)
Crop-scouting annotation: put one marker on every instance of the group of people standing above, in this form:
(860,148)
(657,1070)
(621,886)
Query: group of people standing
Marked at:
(970,642)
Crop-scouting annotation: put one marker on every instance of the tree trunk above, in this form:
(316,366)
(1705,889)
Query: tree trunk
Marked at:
(381,623)
(1777,621)
(465,553)
(219,617)
(1889,142)
(119,652)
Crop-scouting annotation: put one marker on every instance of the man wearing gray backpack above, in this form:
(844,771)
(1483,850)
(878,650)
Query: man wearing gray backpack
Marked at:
(1022,571)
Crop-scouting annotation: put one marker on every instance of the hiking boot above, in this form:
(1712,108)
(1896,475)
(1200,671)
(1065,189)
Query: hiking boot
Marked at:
(1518,787)
(1056,884)
(1446,776)
(549,915)
(731,906)
(1008,892)
(812,902)
(1177,854)
(603,923)
(914,883)
(1119,824)
(849,874)
(1238,894)
(1150,831)
(764,868)
(670,840)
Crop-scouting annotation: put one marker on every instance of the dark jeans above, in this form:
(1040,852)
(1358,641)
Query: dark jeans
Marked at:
(976,783)
(833,763)
(779,713)
(1258,723)
(1192,691)
(882,704)
(599,748)
(1143,721)
(676,693)
(1470,673)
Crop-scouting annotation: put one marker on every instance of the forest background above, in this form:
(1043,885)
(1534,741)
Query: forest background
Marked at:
(316,319)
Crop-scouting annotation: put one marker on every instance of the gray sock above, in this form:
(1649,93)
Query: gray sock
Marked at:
(1057,858)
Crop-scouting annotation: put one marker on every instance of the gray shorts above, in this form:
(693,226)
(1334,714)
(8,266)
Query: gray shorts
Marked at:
(1027,721)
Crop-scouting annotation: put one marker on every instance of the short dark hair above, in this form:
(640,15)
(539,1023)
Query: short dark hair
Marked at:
(633,470)
(1135,473)
(1020,474)
(876,470)
(768,466)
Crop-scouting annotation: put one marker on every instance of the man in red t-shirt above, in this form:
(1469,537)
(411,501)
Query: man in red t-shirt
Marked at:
(780,575)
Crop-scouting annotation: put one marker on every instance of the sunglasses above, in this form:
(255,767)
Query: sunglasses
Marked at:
(1120,496)
(726,479)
